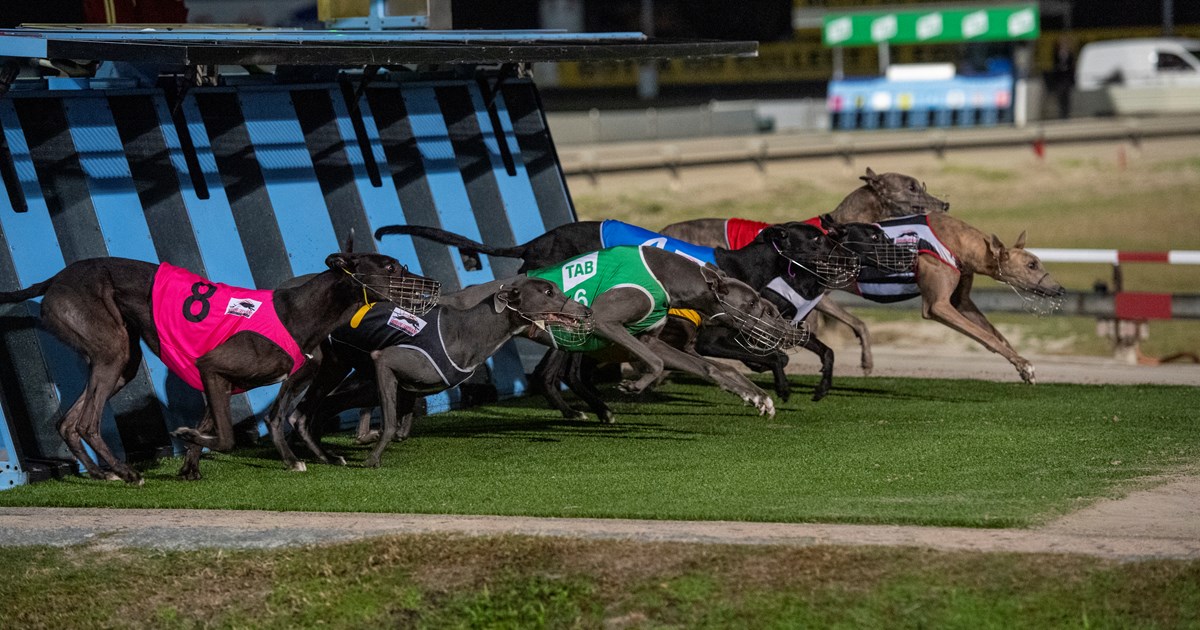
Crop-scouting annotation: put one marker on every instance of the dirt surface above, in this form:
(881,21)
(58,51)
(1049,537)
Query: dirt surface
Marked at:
(1160,522)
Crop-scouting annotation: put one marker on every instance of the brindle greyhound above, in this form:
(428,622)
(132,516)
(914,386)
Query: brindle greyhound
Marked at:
(103,306)
(945,289)
(880,197)
(463,329)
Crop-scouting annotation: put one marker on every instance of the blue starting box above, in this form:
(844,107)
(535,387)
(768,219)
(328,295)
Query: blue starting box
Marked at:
(247,155)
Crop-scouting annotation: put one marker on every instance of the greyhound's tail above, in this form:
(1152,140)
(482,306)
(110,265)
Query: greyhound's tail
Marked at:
(450,238)
(8,297)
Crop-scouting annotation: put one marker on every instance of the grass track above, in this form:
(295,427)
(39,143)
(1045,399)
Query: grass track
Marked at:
(908,451)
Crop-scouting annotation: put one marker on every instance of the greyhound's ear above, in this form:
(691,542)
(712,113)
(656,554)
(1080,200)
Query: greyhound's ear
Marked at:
(996,247)
(711,275)
(349,241)
(871,178)
(774,233)
(500,300)
(837,232)
(1020,244)
(339,261)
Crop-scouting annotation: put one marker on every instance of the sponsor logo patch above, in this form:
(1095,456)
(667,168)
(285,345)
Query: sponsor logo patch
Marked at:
(578,270)
(405,322)
(242,307)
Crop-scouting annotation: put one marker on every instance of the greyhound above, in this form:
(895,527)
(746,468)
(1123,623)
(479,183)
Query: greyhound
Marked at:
(413,356)
(624,305)
(796,294)
(103,306)
(880,197)
(775,254)
(951,253)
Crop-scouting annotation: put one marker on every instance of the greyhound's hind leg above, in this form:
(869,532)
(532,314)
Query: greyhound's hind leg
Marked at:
(104,341)
(68,428)
(104,381)
(835,310)
(725,377)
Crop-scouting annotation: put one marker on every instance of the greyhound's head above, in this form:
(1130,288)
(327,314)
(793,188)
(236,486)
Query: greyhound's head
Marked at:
(385,278)
(542,305)
(814,251)
(874,248)
(1024,272)
(902,195)
(760,328)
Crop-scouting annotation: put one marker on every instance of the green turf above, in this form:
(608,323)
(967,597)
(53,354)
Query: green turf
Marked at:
(520,583)
(933,452)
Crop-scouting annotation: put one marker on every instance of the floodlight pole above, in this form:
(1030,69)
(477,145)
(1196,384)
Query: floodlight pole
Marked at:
(648,70)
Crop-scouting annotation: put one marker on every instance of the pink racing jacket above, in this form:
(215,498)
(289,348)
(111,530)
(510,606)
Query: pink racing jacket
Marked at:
(193,316)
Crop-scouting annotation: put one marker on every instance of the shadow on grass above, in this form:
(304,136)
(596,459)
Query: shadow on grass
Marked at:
(929,395)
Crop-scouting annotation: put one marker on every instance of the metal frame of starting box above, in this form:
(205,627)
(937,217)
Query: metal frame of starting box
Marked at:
(179,145)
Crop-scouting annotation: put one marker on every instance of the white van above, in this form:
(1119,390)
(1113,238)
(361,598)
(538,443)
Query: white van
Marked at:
(1138,77)
(1149,62)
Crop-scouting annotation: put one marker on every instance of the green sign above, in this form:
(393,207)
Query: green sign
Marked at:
(946,26)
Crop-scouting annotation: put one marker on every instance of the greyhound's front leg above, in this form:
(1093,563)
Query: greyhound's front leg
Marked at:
(617,333)
(217,394)
(725,377)
(283,401)
(965,305)
(936,290)
(717,342)
(385,380)
(191,459)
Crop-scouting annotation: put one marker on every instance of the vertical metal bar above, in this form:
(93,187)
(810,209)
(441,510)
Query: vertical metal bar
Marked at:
(291,185)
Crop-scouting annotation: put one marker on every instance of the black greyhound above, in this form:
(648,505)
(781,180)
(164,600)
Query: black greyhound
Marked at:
(412,356)
(103,306)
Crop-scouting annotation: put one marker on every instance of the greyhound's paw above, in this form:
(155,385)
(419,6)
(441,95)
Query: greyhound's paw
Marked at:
(189,474)
(371,462)
(338,460)
(299,467)
(187,434)
(766,407)
(574,414)
(631,387)
(369,437)
(1026,371)
(608,417)
(132,478)
(107,475)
